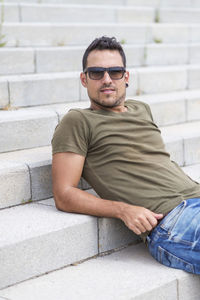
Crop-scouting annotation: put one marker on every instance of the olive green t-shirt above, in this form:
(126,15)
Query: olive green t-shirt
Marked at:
(125,157)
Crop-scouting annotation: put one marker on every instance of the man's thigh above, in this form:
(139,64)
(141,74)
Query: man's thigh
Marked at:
(175,242)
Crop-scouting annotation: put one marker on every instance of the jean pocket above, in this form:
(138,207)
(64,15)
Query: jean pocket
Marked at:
(170,260)
(171,219)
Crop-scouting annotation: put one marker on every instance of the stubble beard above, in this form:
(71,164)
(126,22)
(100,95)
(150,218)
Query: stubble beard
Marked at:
(102,103)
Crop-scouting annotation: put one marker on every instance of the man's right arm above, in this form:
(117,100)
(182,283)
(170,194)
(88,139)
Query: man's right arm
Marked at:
(66,172)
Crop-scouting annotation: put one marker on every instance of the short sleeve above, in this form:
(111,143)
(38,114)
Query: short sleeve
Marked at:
(71,134)
(148,111)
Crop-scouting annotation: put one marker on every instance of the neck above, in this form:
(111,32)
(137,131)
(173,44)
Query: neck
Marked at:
(120,107)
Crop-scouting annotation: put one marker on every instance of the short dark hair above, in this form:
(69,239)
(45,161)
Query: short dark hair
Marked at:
(104,43)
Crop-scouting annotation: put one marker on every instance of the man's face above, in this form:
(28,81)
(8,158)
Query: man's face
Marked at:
(105,92)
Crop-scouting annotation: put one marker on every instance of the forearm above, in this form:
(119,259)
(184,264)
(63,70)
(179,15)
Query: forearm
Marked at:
(78,201)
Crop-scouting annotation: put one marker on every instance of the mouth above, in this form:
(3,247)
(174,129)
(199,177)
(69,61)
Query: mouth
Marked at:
(107,90)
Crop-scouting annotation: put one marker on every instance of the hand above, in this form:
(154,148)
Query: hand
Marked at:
(139,219)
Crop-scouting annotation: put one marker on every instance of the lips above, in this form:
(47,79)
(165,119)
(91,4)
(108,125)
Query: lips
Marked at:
(107,90)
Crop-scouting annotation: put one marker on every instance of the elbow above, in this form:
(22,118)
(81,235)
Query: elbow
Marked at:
(62,202)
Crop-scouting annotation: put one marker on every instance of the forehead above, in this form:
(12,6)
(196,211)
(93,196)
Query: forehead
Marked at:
(104,58)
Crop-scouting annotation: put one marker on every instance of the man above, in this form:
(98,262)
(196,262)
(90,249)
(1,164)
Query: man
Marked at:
(118,149)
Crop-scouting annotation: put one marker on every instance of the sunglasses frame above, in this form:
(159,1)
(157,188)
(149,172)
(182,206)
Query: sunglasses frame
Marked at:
(103,70)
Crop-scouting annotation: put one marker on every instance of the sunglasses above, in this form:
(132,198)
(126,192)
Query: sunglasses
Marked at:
(97,73)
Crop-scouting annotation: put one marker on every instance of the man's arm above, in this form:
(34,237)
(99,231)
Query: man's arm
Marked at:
(66,171)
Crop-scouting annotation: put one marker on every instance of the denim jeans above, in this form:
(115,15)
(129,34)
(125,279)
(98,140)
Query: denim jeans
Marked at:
(175,241)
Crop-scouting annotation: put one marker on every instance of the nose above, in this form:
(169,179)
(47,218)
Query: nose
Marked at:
(106,78)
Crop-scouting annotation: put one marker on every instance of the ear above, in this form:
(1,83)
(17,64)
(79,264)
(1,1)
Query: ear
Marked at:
(126,77)
(83,79)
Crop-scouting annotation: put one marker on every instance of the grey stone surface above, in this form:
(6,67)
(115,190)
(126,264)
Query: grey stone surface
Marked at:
(4,97)
(168,79)
(193,171)
(194,53)
(9,12)
(42,239)
(179,15)
(194,32)
(16,61)
(128,274)
(26,129)
(170,33)
(136,15)
(38,161)
(194,77)
(176,3)
(64,34)
(62,13)
(15,184)
(166,54)
(189,133)
(193,105)
(40,89)
(114,234)
(54,59)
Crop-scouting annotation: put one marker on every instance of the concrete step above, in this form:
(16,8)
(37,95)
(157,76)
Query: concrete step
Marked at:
(43,239)
(127,274)
(69,34)
(94,13)
(49,88)
(63,59)
(148,3)
(178,15)
(26,174)
(77,13)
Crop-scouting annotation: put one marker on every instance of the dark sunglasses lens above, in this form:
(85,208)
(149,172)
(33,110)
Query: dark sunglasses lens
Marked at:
(116,73)
(96,74)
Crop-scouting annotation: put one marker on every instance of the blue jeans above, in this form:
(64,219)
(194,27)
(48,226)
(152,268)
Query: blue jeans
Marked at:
(175,241)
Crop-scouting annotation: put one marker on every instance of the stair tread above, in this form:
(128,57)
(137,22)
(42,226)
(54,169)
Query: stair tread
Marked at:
(119,275)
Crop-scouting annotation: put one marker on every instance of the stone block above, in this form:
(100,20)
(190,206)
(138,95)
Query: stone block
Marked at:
(192,150)
(4,97)
(40,89)
(26,129)
(66,14)
(61,59)
(177,3)
(64,34)
(15,184)
(16,61)
(162,79)
(193,171)
(38,161)
(41,180)
(177,15)
(162,111)
(164,54)
(116,276)
(194,33)
(188,286)
(151,3)
(134,55)
(42,239)
(194,76)
(133,83)
(135,15)
(114,234)
(194,53)
(10,12)
(176,150)
(168,33)
(195,3)
(193,105)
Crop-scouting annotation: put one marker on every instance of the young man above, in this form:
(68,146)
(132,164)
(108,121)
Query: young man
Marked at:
(118,149)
